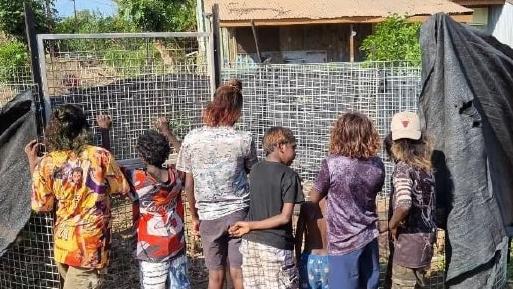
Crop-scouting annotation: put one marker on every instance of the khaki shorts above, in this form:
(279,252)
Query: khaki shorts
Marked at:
(408,278)
(79,278)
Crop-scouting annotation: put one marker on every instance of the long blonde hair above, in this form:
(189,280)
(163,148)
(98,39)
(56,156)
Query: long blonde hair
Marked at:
(416,153)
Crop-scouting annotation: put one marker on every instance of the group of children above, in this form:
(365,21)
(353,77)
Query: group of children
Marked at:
(242,209)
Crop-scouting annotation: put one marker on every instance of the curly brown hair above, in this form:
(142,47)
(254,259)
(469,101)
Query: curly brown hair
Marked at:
(226,107)
(354,135)
(67,129)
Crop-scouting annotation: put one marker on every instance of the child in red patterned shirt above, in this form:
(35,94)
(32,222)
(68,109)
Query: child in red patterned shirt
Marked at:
(160,216)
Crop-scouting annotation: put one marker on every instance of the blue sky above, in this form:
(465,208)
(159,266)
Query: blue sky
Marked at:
(65,7)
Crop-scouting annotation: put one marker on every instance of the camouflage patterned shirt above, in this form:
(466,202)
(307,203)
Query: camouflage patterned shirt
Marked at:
(219,159)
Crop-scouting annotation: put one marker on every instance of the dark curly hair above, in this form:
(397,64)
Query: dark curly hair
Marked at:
(225,109)
(354,135)
(67,129)
(153,148)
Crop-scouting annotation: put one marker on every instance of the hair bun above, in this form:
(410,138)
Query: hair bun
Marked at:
(234,83)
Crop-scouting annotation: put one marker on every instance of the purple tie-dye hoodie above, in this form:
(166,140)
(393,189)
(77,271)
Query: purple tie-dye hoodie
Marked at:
(351,185)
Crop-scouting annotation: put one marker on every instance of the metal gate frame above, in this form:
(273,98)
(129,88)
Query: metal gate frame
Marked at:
(210,53)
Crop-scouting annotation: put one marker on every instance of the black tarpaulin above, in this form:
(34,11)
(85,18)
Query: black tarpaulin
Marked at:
(466,104)
(17,128)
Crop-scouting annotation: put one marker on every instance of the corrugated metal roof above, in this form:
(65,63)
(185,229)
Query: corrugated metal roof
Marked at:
(238,10)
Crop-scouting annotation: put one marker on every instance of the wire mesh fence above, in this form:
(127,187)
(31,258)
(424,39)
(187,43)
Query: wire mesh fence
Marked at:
(139,78)
(307,98)
(28,263)
(135,80)
(14,80)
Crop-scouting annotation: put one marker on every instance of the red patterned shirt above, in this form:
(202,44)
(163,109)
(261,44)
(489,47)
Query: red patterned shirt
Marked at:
(160,222)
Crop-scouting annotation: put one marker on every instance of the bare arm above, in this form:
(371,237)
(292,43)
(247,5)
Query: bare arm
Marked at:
(242,228)
(104,123)
(300,231)
(162,125)
(402,199)
(315,197)
(31,151)
(189,191)
(400,214)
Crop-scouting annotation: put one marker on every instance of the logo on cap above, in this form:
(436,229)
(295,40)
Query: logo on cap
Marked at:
(405,123)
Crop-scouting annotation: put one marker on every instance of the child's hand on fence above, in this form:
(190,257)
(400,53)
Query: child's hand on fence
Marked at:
(104,121)
(239,229)
(162,125)
(31,150)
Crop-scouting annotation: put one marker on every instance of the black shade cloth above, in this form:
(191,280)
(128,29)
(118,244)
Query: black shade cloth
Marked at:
(17,128)
(466,104)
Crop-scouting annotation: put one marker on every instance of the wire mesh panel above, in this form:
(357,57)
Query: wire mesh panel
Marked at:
(28,262)
(308,98)
(135,78)
(14,80)
(138,78)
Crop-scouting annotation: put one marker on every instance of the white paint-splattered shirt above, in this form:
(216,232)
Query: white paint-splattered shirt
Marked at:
(219,159)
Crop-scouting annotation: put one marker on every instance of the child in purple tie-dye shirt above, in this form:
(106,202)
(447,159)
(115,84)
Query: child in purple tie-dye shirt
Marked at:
(351,177)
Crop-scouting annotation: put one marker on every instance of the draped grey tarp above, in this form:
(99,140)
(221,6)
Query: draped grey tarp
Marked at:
(466,104)
(17,128)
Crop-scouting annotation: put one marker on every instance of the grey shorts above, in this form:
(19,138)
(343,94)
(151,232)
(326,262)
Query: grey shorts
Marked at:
(221,250)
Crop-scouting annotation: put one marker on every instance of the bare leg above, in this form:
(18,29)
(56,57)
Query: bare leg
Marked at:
(236,275)
(216,279)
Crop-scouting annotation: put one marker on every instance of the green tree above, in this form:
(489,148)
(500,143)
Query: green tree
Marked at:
(394,39)
(160,15)
(13,57)
(12,18)
(94,22)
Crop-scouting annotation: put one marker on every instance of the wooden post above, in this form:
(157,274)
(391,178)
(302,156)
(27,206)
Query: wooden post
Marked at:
(216,44)
(255,37)
(351,43)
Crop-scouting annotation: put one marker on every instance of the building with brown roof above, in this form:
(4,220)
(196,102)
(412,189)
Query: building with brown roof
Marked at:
(492,16)
(305,31)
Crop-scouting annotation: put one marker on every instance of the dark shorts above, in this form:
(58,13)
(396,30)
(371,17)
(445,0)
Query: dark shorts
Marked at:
(221,250)
(356,270)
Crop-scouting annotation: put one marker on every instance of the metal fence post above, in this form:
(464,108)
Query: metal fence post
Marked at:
(36,71)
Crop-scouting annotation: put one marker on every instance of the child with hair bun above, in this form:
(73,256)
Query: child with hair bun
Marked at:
(216,159)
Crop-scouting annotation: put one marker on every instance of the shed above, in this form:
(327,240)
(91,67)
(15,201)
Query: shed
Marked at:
(305,31)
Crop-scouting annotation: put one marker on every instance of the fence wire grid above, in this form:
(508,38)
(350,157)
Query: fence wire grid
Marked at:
(137,79)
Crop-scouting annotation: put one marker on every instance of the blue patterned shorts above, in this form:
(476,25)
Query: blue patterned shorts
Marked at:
(313,271)
(173,272)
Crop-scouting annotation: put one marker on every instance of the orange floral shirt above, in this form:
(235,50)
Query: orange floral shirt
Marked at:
(80,187)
